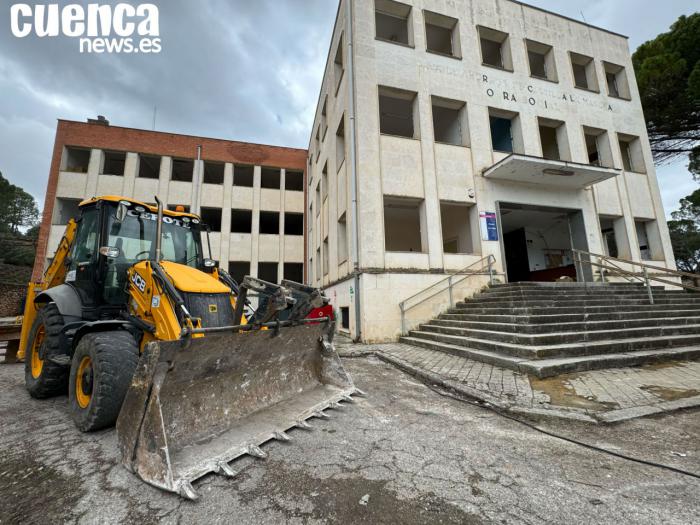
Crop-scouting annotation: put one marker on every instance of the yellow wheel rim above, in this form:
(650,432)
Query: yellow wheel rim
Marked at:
(36,361)
(83,382)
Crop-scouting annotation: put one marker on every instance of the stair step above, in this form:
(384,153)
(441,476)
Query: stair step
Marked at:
(573,349)
(591,301)
(539,310)
(575,326)
(524,320)
(543,368)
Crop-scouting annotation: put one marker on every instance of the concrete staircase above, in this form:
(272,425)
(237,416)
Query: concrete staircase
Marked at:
(546,329)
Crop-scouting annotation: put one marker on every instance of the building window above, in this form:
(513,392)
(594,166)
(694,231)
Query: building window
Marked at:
(324,181)
(553,139)
(317,141)
(239,269)
(584,72)
(294,180)
(342,239)
(318,264)
(65,210)
(113,163)
(294,272)
(393,22)
(213,172)
(267,271)
(402,224)
(212,218)
(506,135)
(325,256)
(598,147)
(270,178)
(270,222)
(293,223)
(324,118)
(456,228)
(495,48)
(76,160)
(338,68)
(441,34)
(397,110)
(340,144)
(149,167)
(450,121)
(649,240)
(608,225)
(345,317)
(541,59)
(616,80)
(182,170)
(631,151)
(241,221)
(243,175)
(318,198)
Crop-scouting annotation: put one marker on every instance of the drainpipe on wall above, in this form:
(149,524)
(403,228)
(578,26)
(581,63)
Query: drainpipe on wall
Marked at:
(353,171)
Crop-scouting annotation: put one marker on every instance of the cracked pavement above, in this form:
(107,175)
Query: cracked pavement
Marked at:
(403,454)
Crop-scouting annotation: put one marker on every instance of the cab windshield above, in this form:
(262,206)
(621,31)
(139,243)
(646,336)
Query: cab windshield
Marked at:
(135,237)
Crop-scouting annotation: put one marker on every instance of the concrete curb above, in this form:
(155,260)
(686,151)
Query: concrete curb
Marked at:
(612,416)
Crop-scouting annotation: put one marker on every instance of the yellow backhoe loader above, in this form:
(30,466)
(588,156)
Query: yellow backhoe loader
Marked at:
(141,330)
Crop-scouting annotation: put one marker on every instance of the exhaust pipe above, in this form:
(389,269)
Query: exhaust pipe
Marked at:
(159,228)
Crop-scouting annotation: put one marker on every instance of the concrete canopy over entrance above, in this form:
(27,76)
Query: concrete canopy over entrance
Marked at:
(553,173)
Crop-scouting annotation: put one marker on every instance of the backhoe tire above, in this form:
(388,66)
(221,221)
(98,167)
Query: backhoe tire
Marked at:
(42,377)
(100,375)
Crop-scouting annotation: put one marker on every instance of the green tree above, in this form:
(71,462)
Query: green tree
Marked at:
(18,208)
(668,75)
(685,233)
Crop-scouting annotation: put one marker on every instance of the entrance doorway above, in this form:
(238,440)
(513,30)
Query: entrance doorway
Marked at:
(537,241)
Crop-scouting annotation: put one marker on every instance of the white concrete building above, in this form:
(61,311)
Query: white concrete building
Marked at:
(250,195)
(448,131)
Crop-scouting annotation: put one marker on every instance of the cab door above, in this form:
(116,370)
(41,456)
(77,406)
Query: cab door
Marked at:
(82,262)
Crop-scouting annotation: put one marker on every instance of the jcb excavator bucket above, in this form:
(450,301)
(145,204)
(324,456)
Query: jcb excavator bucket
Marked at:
(196,404)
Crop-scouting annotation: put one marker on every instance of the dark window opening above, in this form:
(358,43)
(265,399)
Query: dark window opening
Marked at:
(149,167)
(294,272)
(449,122)
(538,67)
(396,109)
(241,221)
(501,134)
(182,170)
(239,269)
(270,222)
(592,150)
(495,50)
(340,144)
(114,163)
(213,172)
(541,60)
(392,21)
(65,210)
(267,271)
(212,218)
(345,317)
(339,69)
(270,178)
(294,224)
(243,176)
(550,146)
(294,180)
(441,34)
(584,71)
(402,225)
(77,160)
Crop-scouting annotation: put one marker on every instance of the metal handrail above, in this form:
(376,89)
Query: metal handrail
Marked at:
(645,277)
(466,272)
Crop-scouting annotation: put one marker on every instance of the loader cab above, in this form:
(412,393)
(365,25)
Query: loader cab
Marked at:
(113,234)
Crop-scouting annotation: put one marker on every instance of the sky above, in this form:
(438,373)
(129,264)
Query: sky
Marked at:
(235,69)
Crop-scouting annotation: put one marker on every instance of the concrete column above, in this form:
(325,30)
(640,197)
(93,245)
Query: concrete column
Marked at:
(166,167)
(225,242)
(255,230)
(431,203)
(197,176)
(530,130)
(131,166)
(93,173)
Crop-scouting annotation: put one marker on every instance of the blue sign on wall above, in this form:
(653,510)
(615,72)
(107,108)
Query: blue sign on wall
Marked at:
(489,225)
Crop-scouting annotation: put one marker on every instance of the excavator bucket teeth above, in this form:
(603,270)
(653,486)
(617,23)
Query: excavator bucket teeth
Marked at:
(194,405)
